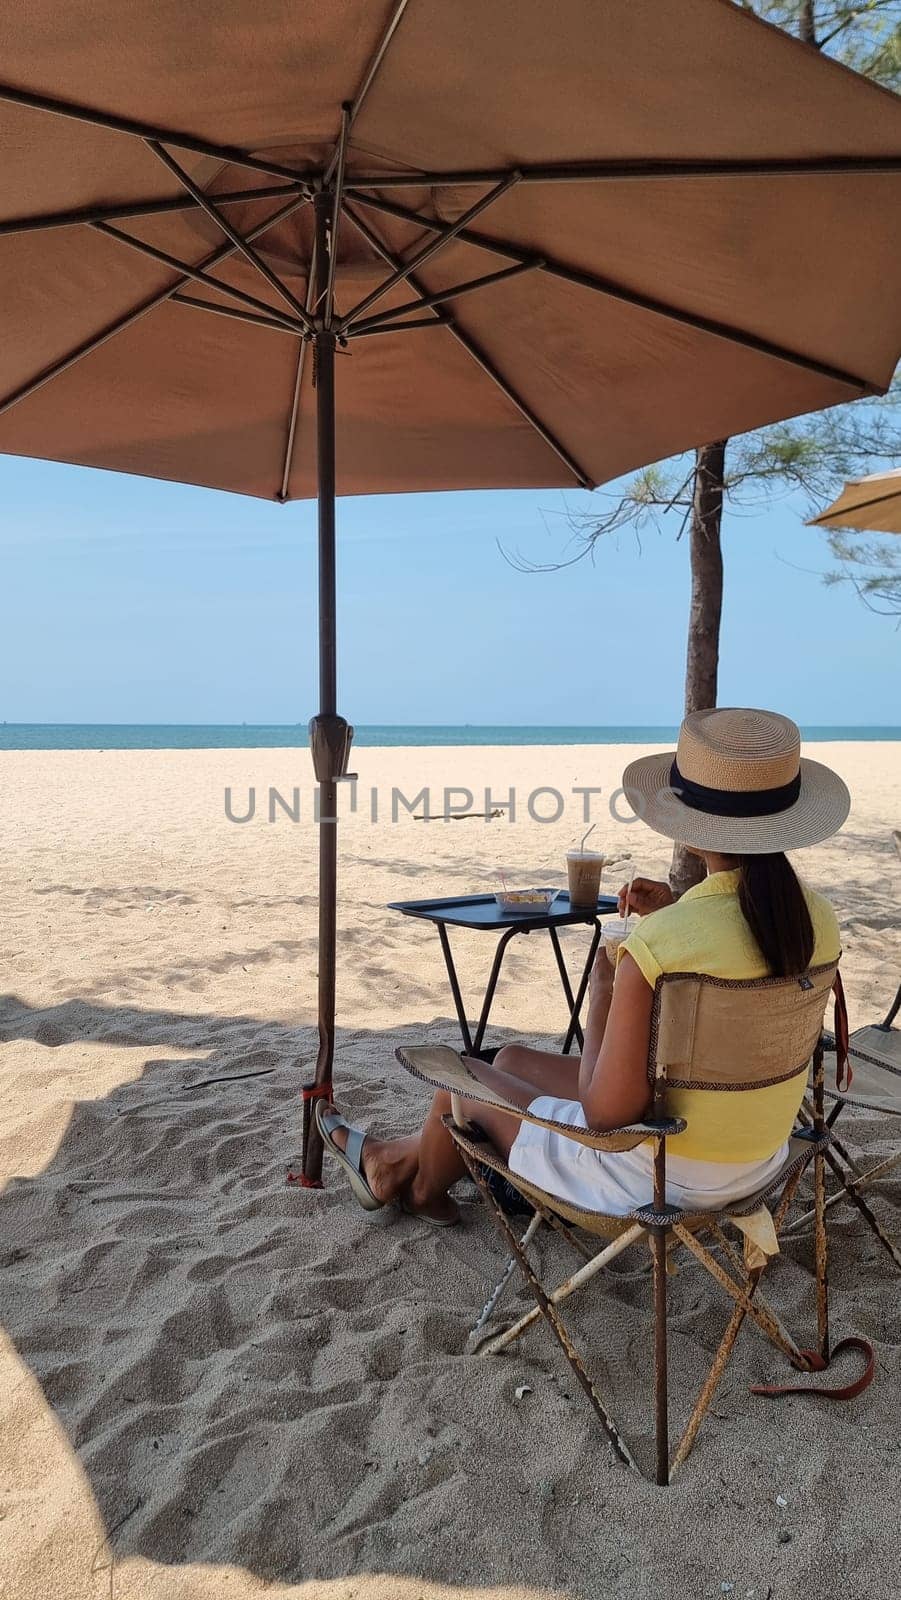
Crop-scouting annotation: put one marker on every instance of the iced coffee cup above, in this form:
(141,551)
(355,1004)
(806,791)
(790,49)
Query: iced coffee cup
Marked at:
(613,934)
(583,868)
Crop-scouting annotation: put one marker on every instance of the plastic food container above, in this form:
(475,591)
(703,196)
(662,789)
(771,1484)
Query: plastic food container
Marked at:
(525,902)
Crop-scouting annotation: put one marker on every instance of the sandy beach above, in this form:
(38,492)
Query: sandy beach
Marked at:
(215,1385)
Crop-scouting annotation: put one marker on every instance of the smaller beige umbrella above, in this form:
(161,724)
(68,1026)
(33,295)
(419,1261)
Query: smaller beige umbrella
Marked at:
(872,505)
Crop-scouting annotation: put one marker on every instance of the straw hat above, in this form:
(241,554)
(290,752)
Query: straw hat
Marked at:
(737,784)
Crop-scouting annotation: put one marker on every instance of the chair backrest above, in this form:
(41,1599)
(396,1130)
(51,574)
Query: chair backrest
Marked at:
(731,1056)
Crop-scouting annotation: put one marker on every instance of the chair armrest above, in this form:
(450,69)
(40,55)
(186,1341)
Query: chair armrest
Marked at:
(625,1137)
(443,1068)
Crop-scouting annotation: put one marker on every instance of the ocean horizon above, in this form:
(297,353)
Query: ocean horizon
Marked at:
(249,736)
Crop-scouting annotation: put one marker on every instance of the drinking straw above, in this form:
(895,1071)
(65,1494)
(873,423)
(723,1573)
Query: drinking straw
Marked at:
(585,836)
(628,892)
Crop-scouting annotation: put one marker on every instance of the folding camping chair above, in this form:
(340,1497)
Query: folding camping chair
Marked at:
(707,1033)
(874,1084)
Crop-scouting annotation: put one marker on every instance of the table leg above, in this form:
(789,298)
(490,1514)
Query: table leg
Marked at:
(502,944)
(574,1031)
(468,1045)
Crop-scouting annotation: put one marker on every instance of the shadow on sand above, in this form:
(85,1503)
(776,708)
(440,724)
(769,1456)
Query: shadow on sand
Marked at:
(262,1377)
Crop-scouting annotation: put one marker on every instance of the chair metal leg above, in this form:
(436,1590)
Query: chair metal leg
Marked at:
(509,1270)
(553,1320)
(567,1233)
(661,1399)
(726,1344)
(851,1192)
(660,1233)
(743,1273)
(820,1253)
(806,1116)
(820,1246)
(565,1289)
(845,1192)
(711,1383)
(845,1155)
(766,1319)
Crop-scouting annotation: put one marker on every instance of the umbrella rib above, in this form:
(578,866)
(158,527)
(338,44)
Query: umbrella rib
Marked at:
(143,130)
(479,356)
(618,291)
(447,233)
(491,371)
(238,316)
(294,413)
(428,301)
(198,272)
(368,79)
(336,218)
(820,166)
(628,170)
(142,208)
(441,320)
(237,239)
(86,348)
(282,493)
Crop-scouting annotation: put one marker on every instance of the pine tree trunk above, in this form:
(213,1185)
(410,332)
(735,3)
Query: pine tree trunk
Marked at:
(703,654)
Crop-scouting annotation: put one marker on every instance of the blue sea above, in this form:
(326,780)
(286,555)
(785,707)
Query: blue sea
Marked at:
(253,736)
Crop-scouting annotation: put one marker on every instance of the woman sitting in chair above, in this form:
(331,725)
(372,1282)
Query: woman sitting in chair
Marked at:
(738,794)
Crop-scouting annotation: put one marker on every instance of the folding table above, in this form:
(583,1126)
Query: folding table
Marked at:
(481,911)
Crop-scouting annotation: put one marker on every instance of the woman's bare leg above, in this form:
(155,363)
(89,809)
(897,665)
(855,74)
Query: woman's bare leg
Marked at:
(422,1167)
(440,1162)
(393,1167)
(542,1069)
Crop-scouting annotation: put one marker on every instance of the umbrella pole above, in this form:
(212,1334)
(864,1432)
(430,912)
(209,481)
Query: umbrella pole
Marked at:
(330,735)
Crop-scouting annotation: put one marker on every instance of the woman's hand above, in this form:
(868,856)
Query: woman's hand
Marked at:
(600,984)
(646,895)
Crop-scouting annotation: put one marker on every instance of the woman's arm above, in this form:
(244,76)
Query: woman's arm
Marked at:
(600,994)
(613,1077)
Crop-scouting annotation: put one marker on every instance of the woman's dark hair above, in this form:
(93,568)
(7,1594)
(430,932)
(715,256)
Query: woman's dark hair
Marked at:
(775,910)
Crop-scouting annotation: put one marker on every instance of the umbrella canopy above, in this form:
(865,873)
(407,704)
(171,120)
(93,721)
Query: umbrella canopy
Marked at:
(482,244)
(704,214)
(871,505)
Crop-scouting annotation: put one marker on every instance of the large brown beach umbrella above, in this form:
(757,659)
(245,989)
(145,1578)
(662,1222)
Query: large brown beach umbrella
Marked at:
(869,505)
(485,243)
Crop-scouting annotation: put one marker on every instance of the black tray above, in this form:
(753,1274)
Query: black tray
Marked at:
(483,911)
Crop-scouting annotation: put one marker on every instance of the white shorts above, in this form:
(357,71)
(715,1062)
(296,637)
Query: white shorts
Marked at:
(616,1181)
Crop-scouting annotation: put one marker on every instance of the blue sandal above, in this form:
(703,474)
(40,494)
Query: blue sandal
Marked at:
(351,1157)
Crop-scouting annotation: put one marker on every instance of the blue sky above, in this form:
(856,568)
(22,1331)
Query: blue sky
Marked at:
(135,601)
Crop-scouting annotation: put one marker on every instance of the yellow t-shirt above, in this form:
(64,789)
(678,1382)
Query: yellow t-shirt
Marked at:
(706,932)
